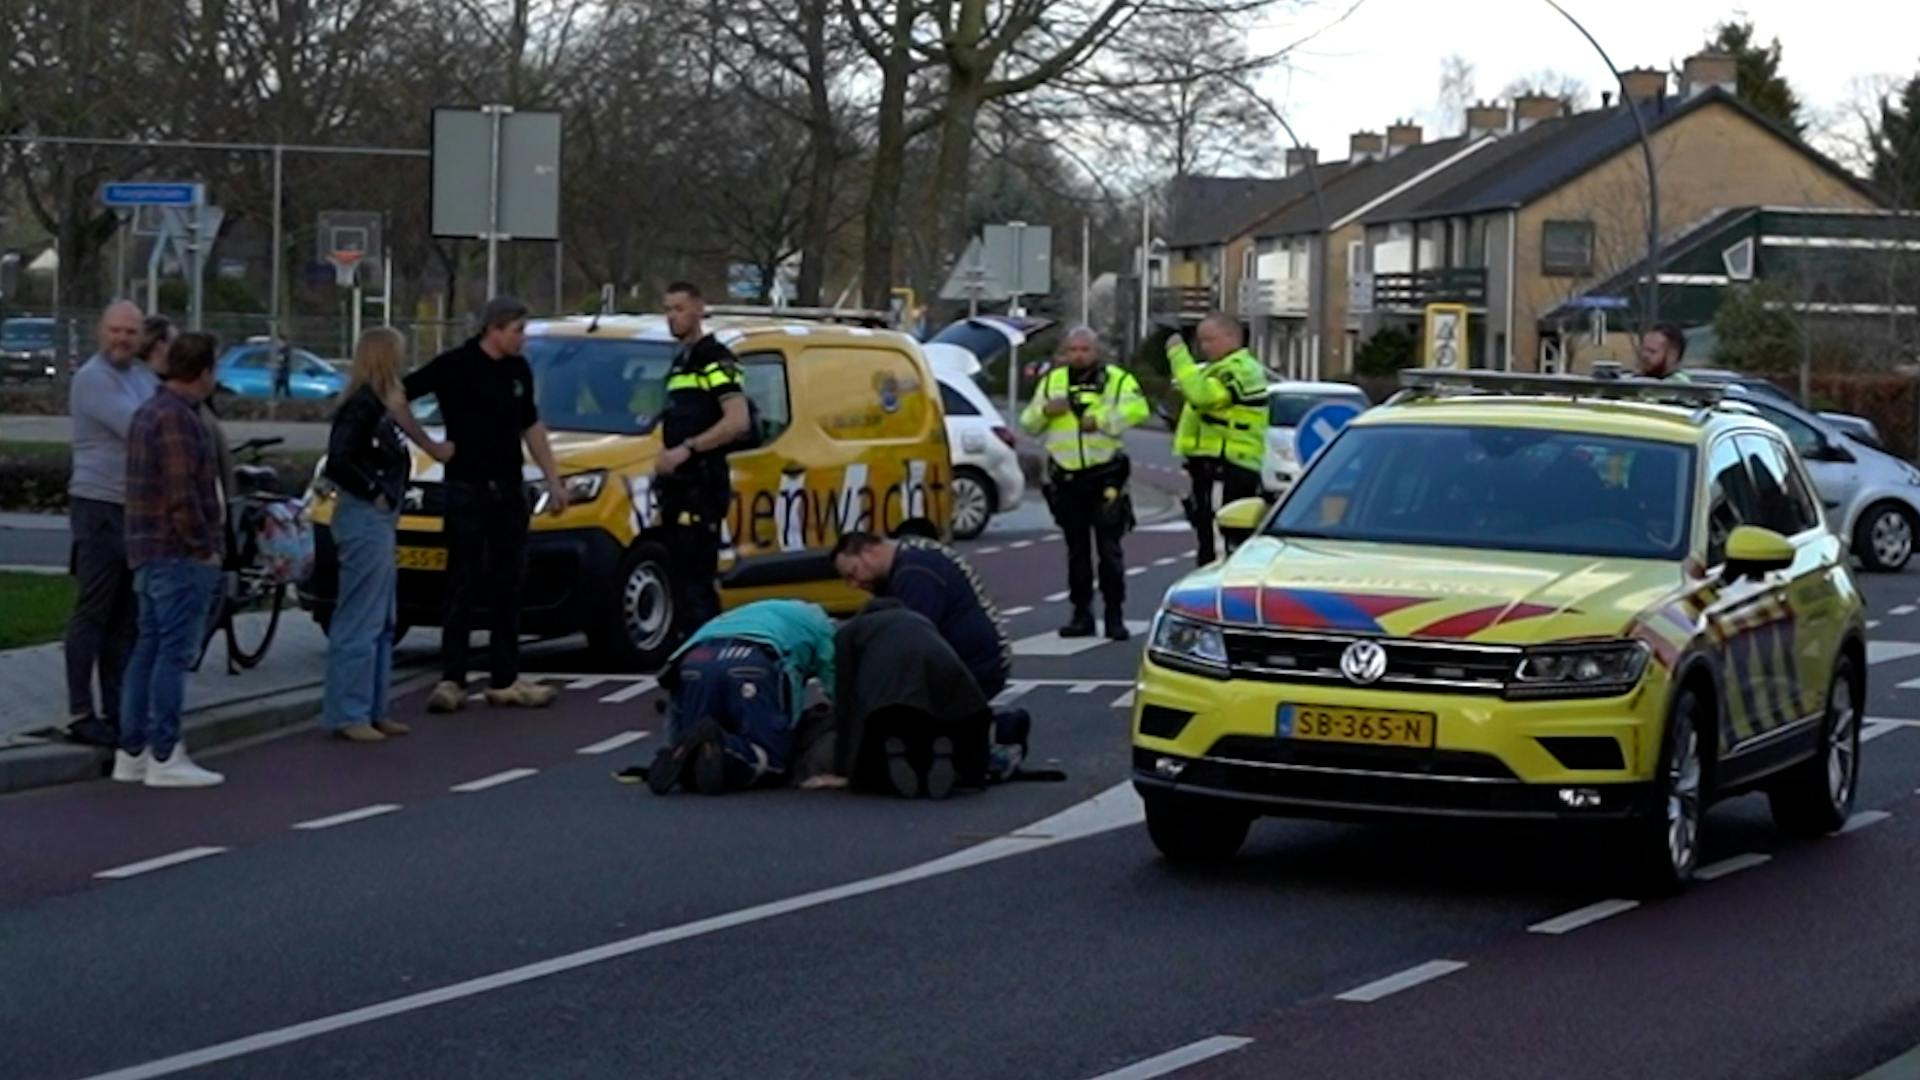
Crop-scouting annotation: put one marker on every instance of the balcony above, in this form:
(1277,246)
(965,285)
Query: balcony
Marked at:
(1283,297)
(1413,292)
(1188,303)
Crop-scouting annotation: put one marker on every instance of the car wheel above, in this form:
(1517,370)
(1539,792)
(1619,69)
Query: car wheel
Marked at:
(635,631)
(1816,797)
(1194,832)
(1664,845)
(973,501)
(1883,538)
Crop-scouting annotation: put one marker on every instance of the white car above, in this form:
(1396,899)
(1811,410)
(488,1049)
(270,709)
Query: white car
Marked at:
(1287,403)
(986,469)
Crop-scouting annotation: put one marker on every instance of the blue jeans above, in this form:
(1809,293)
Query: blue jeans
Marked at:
(738,684)
(360,637)
(175,596)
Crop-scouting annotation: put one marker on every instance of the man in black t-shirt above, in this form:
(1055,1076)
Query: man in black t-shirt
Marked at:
(706,415)
(485,391)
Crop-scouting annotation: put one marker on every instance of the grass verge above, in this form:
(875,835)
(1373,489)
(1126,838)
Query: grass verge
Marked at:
(33,608)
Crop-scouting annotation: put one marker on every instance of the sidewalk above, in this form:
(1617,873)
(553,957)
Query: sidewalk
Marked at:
(299,435)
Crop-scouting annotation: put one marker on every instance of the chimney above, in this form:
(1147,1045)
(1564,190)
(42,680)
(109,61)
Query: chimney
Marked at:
(1485,119)
(1644,84)
(1402,135)
(1530,109)
(1705,70)
(1301,158)
(1366,146)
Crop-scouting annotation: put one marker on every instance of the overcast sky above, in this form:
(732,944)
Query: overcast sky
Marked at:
(1383,61)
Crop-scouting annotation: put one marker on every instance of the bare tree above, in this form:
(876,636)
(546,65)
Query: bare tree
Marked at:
(1571,90)
(1458,91)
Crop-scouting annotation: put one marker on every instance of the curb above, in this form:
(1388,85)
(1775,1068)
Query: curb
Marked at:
(23,768)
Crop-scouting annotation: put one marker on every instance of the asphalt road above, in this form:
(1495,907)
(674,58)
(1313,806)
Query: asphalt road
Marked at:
(504,909)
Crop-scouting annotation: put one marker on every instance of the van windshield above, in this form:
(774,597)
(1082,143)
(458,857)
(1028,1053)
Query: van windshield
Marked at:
(604,385)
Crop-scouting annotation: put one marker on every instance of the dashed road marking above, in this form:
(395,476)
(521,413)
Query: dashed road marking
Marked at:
(349,816)
(1165,560)
(612,742)
(1881,652)
(990,549)
(1873,729)
(493,781)
(1018,544)
(1404,980)
(1747,861)
(1902,609)
(1586,916)
(1083,688)
(589,682)
(1873,624)
(1175,1060)
(1054,598)
(160,862)
(1190,553)
(630,691)
(1136,571)
(1012,611)
(1863,819)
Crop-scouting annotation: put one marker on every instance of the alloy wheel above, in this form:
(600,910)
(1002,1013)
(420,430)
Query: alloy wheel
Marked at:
(1683,797)
(1842,750)
(1892,537)
(971,507)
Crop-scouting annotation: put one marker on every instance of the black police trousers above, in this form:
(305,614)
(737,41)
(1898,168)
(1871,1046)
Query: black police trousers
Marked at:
(1235,483)
(1092,527)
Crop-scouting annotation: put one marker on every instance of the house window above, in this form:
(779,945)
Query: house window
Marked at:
(1476,253)
(1249,268)
(1739,260)
(1356,259)
(1566,248)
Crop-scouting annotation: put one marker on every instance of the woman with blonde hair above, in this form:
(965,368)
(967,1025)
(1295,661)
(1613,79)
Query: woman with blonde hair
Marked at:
(367,463)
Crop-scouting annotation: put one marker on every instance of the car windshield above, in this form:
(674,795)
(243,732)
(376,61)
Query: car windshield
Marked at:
(615,386)
(1515,489)
(26,334)
(1286,409)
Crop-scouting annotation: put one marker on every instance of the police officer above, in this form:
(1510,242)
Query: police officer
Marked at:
(706,416)
(1222,435)
(1080,408)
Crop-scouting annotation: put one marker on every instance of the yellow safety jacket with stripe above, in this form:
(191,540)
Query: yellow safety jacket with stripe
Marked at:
(1115,403)
(1225,415)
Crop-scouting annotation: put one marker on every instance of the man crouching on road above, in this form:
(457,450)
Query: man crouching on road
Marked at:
(738,689)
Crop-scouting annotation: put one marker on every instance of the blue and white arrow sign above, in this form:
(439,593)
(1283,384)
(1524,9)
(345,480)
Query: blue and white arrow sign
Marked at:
(150,194)
(1319,426)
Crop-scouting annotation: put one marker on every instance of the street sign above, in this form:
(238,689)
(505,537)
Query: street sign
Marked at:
(1604,303)
(1319,426)
(149,194)
(1446,336)
(528,168)
(972,279)
(1020,256)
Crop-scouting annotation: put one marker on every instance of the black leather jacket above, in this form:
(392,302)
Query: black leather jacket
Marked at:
(366,454)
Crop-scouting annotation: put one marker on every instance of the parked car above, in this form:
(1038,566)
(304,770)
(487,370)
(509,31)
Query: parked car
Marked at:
(1857,426)
(248,370)
(986,465)
(26,349)
(1287,403)
(1871,498)
(991,337)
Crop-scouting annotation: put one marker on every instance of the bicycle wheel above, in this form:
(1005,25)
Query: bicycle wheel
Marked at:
(254,617)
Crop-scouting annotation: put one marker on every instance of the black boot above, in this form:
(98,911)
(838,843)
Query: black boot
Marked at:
(1116,624)
(1081,625)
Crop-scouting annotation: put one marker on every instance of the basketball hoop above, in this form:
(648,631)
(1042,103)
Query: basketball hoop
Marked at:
(345,264)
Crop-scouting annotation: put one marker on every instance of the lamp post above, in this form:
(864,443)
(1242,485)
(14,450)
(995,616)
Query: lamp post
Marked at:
(1319,331)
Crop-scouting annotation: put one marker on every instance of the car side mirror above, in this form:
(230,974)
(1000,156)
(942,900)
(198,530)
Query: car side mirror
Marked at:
(1239,518)
(1755,552)
(1833,451)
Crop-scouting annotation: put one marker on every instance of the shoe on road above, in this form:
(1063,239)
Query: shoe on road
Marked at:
(670,763)
(392,727)
(179,771)
(1117,625)
(447,697)
(709,768)
(940,777)
(363,733)
(530,695)
(93,731)
(1081,625)
(131,768)
(901,775)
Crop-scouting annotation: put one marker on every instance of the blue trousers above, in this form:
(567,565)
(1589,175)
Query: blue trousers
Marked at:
(739,685)
(174,597)
(360,637)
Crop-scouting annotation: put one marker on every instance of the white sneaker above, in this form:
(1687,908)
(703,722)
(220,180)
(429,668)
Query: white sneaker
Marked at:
(131,768)
(179,771)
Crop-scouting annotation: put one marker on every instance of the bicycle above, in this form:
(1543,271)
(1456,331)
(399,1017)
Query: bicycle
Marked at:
(250,587)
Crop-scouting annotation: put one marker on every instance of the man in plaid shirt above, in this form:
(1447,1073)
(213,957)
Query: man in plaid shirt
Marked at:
(175,542)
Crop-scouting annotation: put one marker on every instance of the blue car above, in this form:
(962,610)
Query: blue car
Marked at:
(249,371)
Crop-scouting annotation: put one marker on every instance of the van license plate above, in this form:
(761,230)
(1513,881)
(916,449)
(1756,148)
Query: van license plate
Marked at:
(420,558)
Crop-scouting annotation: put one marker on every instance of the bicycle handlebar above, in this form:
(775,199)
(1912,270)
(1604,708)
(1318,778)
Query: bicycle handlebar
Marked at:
(254,446)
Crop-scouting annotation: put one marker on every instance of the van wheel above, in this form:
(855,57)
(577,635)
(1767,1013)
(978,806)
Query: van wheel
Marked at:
(1816,797)
(973,501)
(1192,832)
(635,632)
(1663,847)
(1883,538)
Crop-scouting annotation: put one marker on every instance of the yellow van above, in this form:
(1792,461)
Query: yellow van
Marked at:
(852,438)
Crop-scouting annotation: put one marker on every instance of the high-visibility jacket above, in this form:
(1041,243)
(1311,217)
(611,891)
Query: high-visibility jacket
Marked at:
(1114,401)
(1225,415)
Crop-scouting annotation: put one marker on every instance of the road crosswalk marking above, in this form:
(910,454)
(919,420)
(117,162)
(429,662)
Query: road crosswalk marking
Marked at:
(1881,652)
(1051,643)
(631,691)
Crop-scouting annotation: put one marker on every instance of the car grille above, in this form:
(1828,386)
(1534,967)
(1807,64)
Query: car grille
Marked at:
(1410,762)
(1425,665)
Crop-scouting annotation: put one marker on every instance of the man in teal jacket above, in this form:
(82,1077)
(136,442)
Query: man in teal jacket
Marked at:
(739,689)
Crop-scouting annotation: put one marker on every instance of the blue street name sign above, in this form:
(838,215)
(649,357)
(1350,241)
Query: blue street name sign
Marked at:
(145,194)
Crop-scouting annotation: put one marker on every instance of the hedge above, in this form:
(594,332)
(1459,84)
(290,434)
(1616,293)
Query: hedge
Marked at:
(50,399)
(33,476)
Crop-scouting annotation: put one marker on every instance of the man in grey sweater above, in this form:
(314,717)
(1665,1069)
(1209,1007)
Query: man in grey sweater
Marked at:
(106,392)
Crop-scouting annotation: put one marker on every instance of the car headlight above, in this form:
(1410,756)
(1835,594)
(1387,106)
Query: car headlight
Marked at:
(1183,642)
(1912,474)
(1580,670)
(582,487)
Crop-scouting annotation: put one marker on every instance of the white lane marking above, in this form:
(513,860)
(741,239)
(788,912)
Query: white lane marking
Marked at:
(1018,544)
(1165,560)
(613,742)
(1393,984)
(160,862)
(1016,689)
(1051,537)
(1873,624)
(1175,1060)
(1873,729)
(1166,527)
(1880,652)
(1124,701)
(1902,609)
(350,816)
(1716,871)
(1190,553)
(1051,643)
(493,781)
(629,692)
(1013,611)
(1118,807)
(990,549)
(1083,688)
(1863,819)
(587,683)
(1586,916)
(1054,598)
(1136,571)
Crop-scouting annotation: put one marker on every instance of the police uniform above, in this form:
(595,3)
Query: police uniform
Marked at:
(693,498)
(1222,435)
(1087,473)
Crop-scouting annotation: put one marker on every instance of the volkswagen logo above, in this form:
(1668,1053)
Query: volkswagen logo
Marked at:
(1364,662)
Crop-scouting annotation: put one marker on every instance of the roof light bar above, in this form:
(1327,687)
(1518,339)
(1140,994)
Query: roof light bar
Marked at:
(1433,382)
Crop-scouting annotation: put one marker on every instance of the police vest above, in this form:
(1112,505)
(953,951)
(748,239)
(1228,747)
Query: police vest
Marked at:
(1115,402)
(1234,427)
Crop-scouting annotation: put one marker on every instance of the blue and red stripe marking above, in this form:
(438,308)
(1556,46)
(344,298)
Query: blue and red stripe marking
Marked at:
(1293,609)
